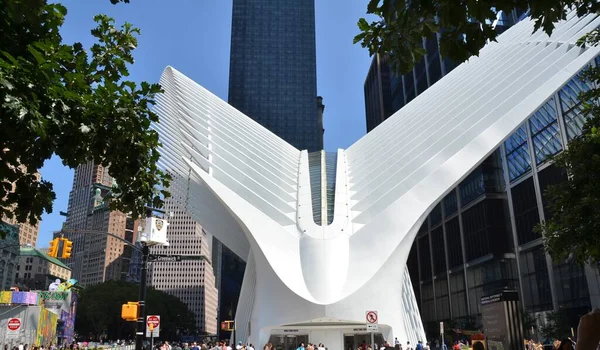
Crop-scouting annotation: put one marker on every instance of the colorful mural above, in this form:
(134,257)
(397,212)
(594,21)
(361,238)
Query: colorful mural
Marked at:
(57,309)
(66,330)
(46,330)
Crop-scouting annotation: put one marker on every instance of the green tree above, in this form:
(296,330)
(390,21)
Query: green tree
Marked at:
(61,99)
(556,327)
(465,25)
(99,311)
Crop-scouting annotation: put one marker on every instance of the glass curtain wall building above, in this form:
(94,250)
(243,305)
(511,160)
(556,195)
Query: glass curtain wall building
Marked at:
(273,69)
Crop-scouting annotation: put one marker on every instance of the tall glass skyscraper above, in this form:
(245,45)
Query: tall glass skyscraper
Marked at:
(273,74)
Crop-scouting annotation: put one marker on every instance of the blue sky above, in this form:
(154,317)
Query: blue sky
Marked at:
(194,37)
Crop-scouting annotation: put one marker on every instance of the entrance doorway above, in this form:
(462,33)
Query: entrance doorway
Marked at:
(287,341)
(353,341)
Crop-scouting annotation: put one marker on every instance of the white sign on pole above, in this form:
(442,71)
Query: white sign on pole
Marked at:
(441,327)
(372,317)
(13,327)
(153,326)
(372,327)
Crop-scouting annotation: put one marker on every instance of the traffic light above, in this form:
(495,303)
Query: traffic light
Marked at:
(67,248)
(129,311)
(53,249)
(227,326)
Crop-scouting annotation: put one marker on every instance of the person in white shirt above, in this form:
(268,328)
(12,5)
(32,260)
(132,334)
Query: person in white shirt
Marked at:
(239,345)
(21,346)
(250,347)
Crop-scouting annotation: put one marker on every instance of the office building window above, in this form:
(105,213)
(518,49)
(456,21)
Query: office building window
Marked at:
(450,203)
(409,86)
(441,299)
(424,258)
(551,175)
(526,211)
(433,59)
(472,187)
(421,75)
(436,215)
(457,292)
(455,257)
(490,278)
(397,91)
(493,177)
(571,106)
(439,255)
(475,232)
(545,132)
(517,154)
(536,284)
(571,286)
(428,302)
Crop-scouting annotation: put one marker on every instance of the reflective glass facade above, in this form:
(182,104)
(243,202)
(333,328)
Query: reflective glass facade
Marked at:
(272,74)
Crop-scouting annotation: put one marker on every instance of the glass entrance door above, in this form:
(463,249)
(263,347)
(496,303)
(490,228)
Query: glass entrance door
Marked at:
(356,340)
(288,341)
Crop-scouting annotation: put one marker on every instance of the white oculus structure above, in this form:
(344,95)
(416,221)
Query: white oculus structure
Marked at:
(326,236)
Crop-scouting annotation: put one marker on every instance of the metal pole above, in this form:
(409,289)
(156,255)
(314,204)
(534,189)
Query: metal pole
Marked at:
(152,339)
(141,322)
(372,339)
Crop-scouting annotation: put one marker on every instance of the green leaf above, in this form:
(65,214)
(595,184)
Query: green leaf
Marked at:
(36,54)
(363,25)
(372,6)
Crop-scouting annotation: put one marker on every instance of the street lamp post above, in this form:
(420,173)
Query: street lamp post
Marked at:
(141,322)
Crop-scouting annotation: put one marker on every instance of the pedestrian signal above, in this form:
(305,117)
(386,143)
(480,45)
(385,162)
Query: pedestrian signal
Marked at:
(129,311)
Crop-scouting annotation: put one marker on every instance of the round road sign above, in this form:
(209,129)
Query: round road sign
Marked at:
(14,324)
(372,317)
(153,321)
